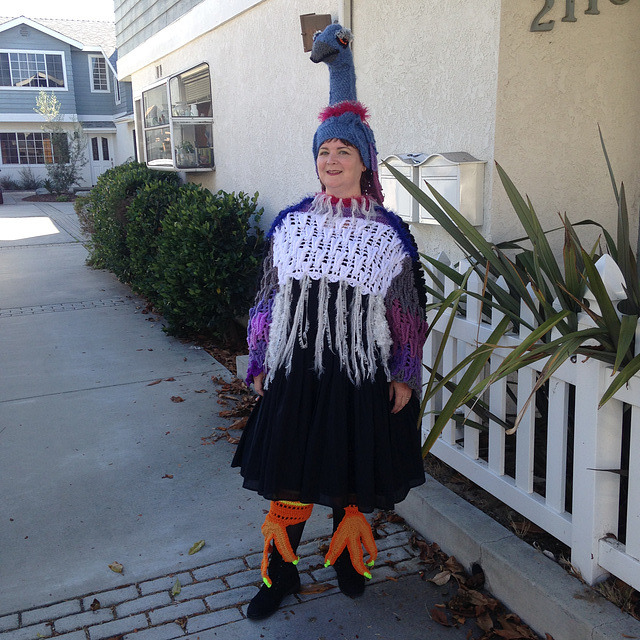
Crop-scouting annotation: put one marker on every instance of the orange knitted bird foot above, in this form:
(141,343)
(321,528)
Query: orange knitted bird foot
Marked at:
(353,532)
(280,516)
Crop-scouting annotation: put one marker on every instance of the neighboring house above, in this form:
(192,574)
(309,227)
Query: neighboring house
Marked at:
(76,60)
(513,82)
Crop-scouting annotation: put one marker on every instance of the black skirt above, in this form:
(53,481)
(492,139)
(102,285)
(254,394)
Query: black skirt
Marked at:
(321,439)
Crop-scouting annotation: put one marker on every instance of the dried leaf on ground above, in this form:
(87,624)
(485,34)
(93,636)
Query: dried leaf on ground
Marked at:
(241,399)
(177,588)
(441,578)
(430,553)
(485,622)
(196,547)
(241,423)
(177,399)
(153,383)
(95,605)
(116,567)
(439,616)
(317,588)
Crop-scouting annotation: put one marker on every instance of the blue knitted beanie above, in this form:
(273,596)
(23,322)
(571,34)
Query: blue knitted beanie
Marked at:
(345,118)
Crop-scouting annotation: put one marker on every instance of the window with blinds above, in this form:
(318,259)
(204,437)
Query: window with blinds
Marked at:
(178,119)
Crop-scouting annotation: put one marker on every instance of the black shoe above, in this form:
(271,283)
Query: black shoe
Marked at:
(351,583)
(285,581)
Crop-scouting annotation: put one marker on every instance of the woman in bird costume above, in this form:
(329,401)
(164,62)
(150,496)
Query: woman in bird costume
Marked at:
(335,350)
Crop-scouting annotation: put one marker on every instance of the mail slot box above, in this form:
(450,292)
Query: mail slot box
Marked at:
(458,177)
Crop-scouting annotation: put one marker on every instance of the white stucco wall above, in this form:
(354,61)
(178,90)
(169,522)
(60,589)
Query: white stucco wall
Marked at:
(123,142)
(266,96)
(431,85)
(555,87)
(429,89)
(436,77)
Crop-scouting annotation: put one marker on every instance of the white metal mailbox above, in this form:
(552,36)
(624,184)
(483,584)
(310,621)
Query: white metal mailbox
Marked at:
(396,197)
(458,176)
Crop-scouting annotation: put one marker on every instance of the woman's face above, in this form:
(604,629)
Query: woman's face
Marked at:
(340,168)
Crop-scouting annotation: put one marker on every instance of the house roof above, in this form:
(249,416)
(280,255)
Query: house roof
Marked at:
(90,33)
(98,124)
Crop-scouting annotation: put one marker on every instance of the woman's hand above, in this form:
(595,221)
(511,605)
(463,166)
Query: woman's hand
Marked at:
(257,384)
(399,394)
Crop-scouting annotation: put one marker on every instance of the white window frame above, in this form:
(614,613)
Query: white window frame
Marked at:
(91,58)
(44,53)
(116,91)
(47,155)
(170,127)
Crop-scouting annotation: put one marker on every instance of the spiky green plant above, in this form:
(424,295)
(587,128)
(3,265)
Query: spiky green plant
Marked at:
(553,292)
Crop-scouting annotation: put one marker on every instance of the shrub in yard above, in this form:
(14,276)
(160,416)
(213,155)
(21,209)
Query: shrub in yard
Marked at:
(29,182)
(144,224)
(81,207)
(207,261)
(106,213)
(9,184)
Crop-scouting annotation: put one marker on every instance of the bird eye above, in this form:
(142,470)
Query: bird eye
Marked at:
(344,37)
(316,34)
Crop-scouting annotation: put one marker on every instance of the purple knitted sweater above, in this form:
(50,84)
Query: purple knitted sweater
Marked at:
(350,244)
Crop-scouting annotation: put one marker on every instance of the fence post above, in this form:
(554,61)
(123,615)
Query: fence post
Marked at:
(474,316)
(598,434)
(526,430)
(431,347)
(497,399)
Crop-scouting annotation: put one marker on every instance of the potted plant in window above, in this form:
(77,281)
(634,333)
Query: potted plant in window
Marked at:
(186,154)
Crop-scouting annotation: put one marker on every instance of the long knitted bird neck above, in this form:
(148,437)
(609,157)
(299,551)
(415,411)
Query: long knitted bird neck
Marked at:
(342,81)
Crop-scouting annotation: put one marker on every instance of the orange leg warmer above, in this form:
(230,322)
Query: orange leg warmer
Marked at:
(280,516)
(353,532)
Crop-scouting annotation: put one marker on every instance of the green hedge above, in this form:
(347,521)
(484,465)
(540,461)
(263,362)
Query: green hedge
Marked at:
(106,213)
(208,257)
(144,225)
(193,254)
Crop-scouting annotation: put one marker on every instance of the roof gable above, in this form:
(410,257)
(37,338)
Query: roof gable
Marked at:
(16,22)
(87,35)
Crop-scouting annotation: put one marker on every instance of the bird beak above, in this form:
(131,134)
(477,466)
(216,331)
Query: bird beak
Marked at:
(323,52)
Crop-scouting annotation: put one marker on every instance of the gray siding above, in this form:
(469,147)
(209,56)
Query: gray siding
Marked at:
(24,100)
(138,20)
(86,101)
(126,96)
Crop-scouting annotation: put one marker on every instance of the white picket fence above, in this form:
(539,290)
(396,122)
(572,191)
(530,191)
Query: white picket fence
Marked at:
(552,472)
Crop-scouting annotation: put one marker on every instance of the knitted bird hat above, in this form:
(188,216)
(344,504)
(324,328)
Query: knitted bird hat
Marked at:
(345,118)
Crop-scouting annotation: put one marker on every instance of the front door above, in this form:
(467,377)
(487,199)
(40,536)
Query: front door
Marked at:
(100,157)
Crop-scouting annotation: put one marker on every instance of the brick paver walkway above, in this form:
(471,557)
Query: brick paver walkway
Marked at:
(210,597)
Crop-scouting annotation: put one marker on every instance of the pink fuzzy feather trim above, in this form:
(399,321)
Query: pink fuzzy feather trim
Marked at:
(341,108)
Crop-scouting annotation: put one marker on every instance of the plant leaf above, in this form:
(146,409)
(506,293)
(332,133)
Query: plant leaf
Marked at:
(609,316)
(196,547)
(628,327)
(621,379)
(606,157)
(459,395)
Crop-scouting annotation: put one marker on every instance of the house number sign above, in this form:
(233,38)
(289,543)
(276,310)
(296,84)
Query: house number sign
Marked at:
(570,13)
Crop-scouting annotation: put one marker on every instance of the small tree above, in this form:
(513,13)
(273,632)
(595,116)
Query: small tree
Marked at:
(65,164)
